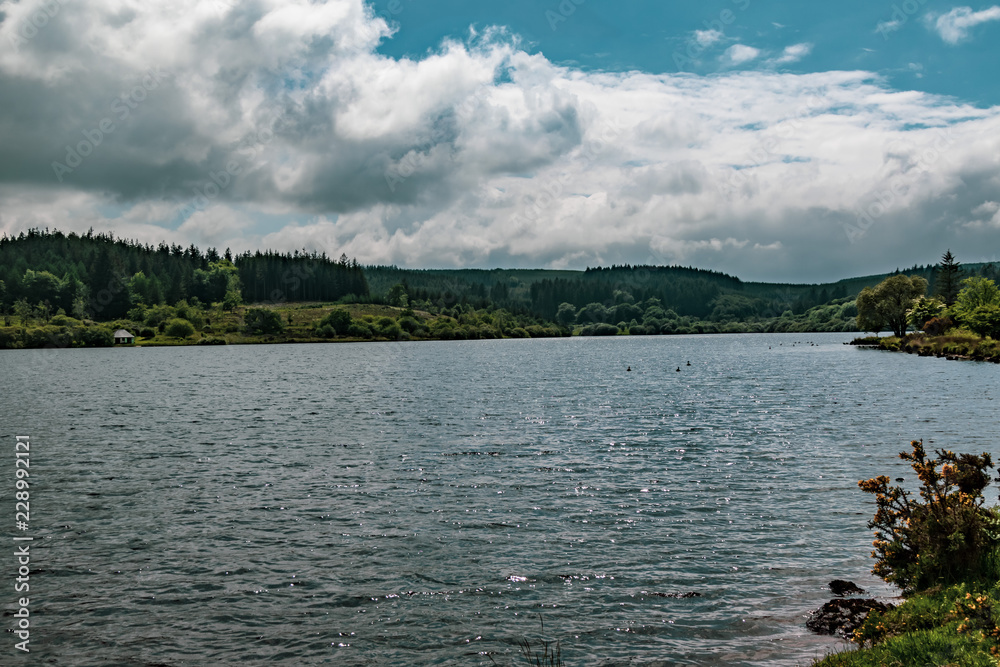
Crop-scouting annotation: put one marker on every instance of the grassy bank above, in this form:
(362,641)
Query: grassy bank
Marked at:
(955,625)
(955,344)
(287,323)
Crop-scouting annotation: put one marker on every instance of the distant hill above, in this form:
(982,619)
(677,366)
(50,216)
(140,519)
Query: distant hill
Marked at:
(103,277)
(686,290)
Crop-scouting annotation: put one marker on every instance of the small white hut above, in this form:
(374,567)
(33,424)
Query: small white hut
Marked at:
(123,337)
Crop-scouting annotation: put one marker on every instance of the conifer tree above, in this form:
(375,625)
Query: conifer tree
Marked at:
(948,278)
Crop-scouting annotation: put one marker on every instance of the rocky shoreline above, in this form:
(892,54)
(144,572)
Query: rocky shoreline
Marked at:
(843,615)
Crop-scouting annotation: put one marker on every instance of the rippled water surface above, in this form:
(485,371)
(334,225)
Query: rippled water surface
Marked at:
(434,503)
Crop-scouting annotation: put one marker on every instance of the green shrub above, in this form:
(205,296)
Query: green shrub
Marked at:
(63,321)
(40,337)
(10,338)
(390,330)
(212,341)
(599,330)
(408,324)
(179,328)
(96,336)
(339,320)
(977,306)
(359,329)
(938,326)
(258,321)
(924,310)
(159,314)
(946,538)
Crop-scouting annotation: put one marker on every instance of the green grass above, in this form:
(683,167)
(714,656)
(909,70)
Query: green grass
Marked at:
(940,646)
(943,626)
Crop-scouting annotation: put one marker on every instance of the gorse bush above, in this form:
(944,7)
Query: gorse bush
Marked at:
(948,537)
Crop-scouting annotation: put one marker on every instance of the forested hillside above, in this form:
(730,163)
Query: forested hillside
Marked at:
(643,299)
(102,277)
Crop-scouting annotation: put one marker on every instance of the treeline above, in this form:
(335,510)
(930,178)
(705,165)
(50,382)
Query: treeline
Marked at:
(694,300)
(640,299)
(100,277)
(687,291)
(299,276)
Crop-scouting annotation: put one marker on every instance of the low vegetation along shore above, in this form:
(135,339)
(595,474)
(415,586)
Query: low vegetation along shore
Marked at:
(941,547)
(185,324)
(957,344)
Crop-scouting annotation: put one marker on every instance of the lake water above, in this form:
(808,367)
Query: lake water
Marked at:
(435,503)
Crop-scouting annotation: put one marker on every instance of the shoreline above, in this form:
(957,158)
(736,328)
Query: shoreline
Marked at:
(953,347)
(239,339)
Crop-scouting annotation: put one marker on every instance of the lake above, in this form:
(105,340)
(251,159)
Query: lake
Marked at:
(434,503)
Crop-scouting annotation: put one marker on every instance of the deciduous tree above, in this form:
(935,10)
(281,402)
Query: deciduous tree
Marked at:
(977,306)
(885,306)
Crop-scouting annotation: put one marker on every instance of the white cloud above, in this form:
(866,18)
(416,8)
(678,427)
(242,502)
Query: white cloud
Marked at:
(706,38)
(282,124)
(216,226)
(954,26)
(885,27)
(986,215)
(740,53)
(987,208)
(794,53)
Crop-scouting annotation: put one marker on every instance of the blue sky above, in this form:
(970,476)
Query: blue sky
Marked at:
(771,140)
(894,39)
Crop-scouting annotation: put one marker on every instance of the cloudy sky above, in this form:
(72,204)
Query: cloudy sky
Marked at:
(771,140)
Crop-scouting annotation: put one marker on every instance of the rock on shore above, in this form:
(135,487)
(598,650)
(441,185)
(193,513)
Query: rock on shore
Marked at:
(843,616)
